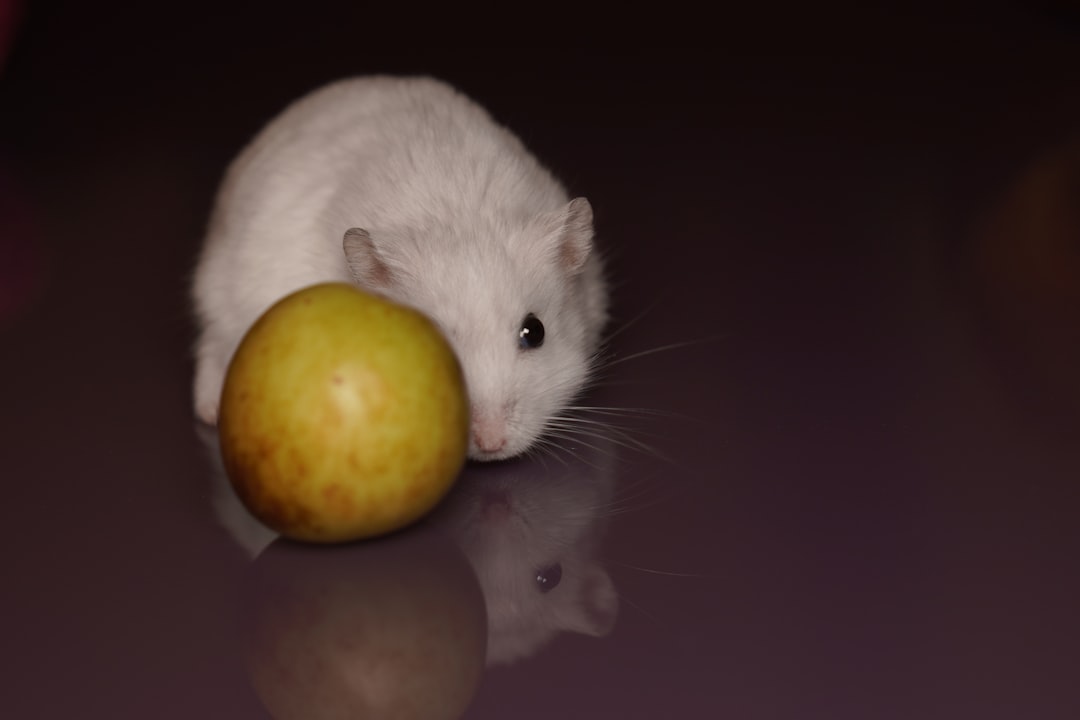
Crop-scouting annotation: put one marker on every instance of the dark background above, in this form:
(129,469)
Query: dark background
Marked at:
(863,222)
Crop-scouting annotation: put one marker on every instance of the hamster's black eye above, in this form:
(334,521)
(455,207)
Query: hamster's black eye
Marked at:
(547,579)
(531,335)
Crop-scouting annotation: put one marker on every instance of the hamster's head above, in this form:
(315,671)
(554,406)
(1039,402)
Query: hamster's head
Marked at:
(522,303)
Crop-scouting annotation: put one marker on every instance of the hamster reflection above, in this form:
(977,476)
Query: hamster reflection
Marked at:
(531,530)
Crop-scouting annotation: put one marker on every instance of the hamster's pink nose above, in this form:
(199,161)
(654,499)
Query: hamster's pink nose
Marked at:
(489,442)
(488,433)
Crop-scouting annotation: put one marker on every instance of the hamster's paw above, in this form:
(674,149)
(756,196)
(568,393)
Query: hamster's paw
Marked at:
(207,412)
(207,391)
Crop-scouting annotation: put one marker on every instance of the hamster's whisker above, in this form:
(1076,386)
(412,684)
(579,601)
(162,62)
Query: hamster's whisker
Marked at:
(602,410)
(576,437)
(604,422)
(545,446)
(622,439)
(606,430)
(630,323)
(555,451)
(564,433)
(542,449)
(662,348)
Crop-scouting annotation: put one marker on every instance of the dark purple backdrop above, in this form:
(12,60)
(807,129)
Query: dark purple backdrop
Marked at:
(862,229)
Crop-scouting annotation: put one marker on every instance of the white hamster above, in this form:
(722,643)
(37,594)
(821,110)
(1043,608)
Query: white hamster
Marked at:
(407,188)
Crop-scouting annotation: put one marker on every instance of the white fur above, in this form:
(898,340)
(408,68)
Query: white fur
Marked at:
(453,216)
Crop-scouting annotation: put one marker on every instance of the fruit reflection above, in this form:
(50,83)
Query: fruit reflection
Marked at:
(393,628)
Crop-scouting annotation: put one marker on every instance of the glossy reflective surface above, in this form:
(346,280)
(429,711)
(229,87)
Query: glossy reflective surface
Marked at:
(845,484)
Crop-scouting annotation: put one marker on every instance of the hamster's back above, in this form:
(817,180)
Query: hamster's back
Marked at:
(375,152)
(387,138)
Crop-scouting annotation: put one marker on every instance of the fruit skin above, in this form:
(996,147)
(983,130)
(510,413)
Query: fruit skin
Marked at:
(343,415)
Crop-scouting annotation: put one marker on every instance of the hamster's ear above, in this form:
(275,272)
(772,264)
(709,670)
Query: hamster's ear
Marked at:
(366,265)
(573,235)
(597,604)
